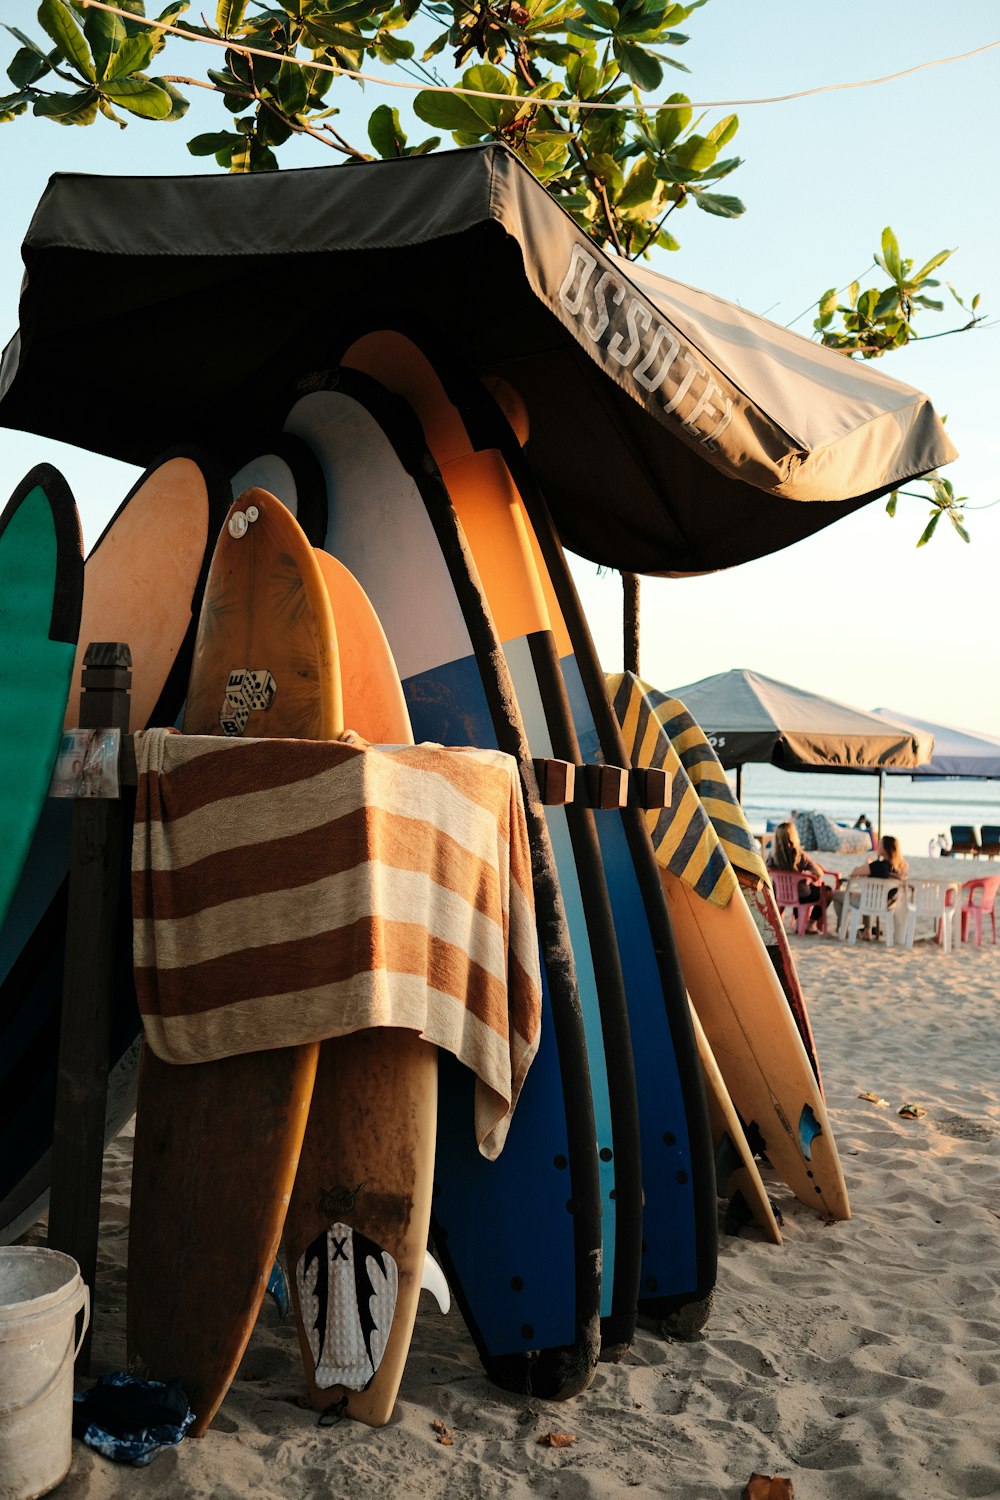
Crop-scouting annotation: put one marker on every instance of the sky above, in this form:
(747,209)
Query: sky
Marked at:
(856,612)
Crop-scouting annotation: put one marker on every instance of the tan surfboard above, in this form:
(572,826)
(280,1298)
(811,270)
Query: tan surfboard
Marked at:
(737,1175)
(757,1045)
(217,1143)
(357,1226)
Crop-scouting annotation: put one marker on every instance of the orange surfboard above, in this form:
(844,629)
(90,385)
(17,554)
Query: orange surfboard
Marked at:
(357,1226)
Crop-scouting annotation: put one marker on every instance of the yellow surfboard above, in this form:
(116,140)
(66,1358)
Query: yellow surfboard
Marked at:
(736,1171)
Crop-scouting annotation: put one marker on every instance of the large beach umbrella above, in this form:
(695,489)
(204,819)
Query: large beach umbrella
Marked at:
(960,754)
(671,431)
(749,717)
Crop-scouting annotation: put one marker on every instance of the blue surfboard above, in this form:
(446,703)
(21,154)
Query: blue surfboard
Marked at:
(679,1220)
(519,1237)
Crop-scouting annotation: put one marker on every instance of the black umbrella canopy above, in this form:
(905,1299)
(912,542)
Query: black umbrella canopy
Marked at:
(747,717)
(670,431)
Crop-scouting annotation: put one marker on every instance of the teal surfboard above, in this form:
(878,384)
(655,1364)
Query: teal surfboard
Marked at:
(41,598)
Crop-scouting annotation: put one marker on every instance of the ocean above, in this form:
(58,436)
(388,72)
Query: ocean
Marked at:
(914,811)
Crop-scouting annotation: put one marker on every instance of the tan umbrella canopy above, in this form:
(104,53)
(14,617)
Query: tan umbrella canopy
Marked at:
(959,754)
(670,431)
(749,717)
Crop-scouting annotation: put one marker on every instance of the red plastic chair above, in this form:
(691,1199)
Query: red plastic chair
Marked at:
(979,899)
(786,893)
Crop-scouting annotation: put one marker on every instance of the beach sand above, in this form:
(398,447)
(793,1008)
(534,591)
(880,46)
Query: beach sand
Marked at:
(859,1359)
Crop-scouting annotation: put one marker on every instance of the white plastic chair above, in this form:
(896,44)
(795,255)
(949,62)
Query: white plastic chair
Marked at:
(935,903)
(869,897)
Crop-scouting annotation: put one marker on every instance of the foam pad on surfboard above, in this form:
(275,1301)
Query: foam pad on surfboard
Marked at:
(207,1212)
(41,586)
(465,432)
(143,581)
(533,1313)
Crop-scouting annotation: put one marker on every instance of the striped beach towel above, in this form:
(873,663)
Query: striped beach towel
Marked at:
(285,891)
(702,837)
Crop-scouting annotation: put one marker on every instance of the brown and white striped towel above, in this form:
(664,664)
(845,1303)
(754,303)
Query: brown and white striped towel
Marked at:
(289,890)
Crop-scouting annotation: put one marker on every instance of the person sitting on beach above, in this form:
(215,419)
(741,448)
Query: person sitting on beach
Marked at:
(787,853)
(887,863)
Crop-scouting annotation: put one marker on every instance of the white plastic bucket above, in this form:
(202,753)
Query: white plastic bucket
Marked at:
(41,1292)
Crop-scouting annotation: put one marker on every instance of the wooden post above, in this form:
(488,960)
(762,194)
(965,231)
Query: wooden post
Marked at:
(85,1027)
(630,622)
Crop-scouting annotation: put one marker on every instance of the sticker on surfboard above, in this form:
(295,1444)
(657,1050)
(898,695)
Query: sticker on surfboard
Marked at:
(347,1289)
(247,692)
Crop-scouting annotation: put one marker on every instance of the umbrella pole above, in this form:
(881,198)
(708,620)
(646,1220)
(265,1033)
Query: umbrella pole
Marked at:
(881,800)
(630,622)
(739,784)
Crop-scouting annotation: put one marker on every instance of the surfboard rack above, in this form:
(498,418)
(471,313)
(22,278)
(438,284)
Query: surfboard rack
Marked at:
(599,786)
(95,869)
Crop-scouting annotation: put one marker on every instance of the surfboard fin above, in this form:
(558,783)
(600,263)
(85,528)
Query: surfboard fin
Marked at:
(432,1280)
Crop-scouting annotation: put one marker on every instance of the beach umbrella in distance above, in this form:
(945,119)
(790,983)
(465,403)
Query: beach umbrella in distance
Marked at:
(670,431)
(959,754)
(751,718)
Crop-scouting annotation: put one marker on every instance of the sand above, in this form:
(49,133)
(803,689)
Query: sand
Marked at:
(858,1359)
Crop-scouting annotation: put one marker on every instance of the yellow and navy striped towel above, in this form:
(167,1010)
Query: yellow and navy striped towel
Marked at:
(702,837)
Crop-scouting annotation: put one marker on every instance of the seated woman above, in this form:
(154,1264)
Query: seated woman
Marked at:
(787,854)
(887,863)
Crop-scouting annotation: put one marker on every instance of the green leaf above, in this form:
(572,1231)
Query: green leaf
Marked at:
(930,528)
(603,15)
(438,45)
(291,88)
(105,33)
(644,69)
(720,204)
(392,49)
(641,189)
(932,265)
(959,525)
(891,503)
(449,112)
(697,153)
(319,31)
(723,133)
(888,301)
(179,105)
(27,67)
(12,105)
(385,132)
(890,254)
(670,123)
(109,114)
(229,16)
(60,23)
(140,96)
(828,302)
(134,56)
(68,109)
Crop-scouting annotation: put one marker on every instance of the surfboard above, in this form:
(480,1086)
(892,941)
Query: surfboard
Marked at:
(217,1143)
(736,1172)
(41,586)
(654,724)
(519,1237)
(730,978)
(143,583)
(358,1221)
(465,432)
